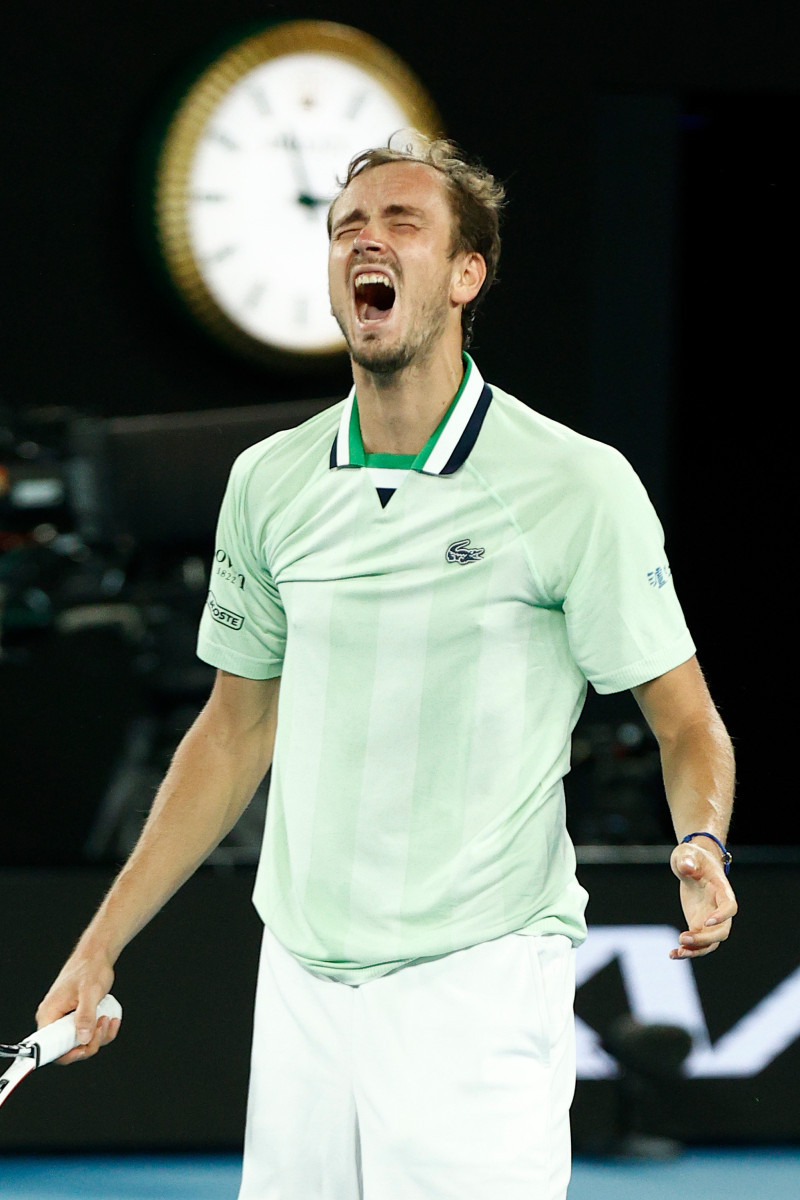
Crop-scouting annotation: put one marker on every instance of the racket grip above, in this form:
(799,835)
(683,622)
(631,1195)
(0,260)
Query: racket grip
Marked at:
(60,1037)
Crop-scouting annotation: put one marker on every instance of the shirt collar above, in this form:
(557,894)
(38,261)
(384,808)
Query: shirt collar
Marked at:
(448,446)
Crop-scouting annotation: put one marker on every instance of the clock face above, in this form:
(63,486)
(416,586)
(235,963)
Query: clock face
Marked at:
(249,167)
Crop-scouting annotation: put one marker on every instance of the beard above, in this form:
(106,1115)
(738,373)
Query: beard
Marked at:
(383,360)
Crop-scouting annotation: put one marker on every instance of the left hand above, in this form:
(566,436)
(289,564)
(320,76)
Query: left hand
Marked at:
(709,904)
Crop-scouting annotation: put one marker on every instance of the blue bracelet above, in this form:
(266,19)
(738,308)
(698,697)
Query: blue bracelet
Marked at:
(727,857)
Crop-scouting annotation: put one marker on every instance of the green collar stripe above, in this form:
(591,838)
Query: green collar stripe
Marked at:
(402,462)
(413,462)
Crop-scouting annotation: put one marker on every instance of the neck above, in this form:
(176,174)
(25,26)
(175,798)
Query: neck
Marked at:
(398,413)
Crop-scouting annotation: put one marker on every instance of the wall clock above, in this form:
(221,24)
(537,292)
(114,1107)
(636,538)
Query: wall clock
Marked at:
(246,171)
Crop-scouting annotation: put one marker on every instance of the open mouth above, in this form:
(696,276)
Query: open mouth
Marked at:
(374,295)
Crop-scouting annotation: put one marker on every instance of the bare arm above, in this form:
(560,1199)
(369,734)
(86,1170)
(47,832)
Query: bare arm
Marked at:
(698,767)
(212,778)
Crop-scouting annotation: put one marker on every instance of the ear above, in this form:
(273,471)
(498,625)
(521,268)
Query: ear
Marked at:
(469,272)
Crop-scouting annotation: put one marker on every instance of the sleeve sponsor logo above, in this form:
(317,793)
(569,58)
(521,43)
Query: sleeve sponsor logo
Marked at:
(461,552)
(226,570)
(225,616)
(660,577)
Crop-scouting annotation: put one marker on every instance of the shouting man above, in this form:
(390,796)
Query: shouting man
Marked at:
(431,574)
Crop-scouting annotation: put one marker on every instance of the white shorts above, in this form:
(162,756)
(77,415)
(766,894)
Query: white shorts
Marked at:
(446,1080)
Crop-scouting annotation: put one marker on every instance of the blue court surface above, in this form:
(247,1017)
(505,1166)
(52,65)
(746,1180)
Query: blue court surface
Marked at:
(736,1175)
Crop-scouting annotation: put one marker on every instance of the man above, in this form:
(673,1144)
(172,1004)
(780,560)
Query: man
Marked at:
(433,572)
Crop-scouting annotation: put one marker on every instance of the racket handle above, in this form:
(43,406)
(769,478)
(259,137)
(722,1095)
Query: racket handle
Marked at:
(60,1037)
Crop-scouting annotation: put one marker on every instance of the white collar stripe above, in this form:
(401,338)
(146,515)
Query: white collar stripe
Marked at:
(343,436)
(459,419)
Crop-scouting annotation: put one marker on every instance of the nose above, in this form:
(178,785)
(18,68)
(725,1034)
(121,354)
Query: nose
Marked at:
(367,239)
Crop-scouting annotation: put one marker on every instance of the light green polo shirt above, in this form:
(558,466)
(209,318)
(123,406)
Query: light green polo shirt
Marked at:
(435,623)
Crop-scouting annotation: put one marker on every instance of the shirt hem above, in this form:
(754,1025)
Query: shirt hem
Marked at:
(239,664)
(357,974)
(644,670)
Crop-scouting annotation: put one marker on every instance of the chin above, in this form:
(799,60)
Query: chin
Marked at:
(382,360)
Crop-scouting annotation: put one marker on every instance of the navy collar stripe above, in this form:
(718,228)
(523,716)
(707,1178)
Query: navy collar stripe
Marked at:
(470,435)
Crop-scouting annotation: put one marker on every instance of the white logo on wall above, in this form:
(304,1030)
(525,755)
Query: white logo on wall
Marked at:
(663,991)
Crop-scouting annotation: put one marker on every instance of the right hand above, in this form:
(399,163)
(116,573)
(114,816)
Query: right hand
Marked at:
(82,983)
(709,904)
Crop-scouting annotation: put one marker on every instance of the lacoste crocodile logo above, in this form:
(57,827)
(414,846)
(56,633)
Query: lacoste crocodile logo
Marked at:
(461,552)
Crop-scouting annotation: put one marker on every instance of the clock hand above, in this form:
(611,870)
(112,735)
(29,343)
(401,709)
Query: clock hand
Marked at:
(305,196)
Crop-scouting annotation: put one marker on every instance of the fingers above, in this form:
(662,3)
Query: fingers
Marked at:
(724,912)
(55,1004)
(86,1014)
(698,944)
(105,1030)
(708,904)
(82,1001)
(82,984)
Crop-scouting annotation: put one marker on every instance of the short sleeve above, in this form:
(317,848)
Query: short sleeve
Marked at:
(243,626)
(624,621)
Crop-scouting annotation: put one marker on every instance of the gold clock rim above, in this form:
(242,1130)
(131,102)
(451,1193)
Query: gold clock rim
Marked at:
(189,122)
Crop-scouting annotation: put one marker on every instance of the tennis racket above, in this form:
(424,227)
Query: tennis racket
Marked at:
(46,1045)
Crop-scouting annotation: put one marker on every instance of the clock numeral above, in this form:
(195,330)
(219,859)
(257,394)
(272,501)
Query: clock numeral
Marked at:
(222,139)
(259,98)
(253,297)
(355,105)
(219,255)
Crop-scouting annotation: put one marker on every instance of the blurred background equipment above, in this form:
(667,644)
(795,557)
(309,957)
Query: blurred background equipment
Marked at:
(616,793)
(156,482)
(650,1058)
(108,530)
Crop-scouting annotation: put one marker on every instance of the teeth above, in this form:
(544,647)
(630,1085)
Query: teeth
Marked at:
(375,277)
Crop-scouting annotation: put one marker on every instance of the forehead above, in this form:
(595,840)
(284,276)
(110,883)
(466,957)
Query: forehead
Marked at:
(406,183)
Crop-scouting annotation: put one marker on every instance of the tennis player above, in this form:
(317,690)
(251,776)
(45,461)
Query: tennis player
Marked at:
(410,593)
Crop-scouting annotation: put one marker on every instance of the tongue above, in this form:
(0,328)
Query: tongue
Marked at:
(371,313)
